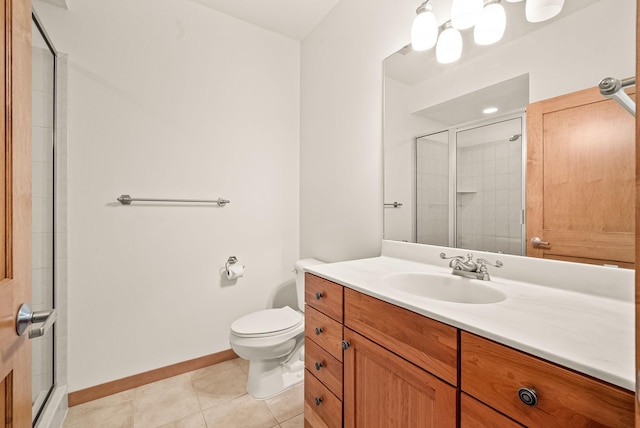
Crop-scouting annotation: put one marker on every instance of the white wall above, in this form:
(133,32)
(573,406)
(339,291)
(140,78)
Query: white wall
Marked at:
(341,127)
(171,99)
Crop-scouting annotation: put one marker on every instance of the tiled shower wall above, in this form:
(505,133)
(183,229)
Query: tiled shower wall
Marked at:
(432,192)
(489,197)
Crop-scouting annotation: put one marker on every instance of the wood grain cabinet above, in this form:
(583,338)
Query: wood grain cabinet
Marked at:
(395,376)
(537,393)
(371,364)
(323,353)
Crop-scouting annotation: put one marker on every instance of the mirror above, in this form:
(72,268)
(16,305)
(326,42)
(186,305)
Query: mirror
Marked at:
(431,108)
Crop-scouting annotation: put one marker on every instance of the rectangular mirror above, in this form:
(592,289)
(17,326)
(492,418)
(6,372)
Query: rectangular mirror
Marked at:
(475,196)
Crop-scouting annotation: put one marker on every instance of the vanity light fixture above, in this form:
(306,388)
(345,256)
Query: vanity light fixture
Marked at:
(465,13)
(490,110)
(541,10)
(449,47)
(492,24)
(424,30)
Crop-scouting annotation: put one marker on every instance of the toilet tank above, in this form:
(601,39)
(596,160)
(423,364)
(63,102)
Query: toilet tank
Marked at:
(298,268)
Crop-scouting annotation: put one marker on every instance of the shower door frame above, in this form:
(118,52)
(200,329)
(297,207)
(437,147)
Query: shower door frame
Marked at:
(453,171)
(37,413)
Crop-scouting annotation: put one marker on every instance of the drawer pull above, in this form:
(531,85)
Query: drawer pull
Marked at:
(318,400)
(318,331)
(318,365)
(345,345)
(319,296)
(528,396)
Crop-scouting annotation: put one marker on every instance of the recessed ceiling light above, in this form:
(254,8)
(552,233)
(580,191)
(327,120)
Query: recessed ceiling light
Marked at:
(490,110)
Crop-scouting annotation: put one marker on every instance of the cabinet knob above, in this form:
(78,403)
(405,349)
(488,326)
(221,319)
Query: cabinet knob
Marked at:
(318,330)
(319,295)
(528,396)
(318,400)
(318,365)
(345,345)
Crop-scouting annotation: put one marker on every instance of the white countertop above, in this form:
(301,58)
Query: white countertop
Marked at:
(586,332)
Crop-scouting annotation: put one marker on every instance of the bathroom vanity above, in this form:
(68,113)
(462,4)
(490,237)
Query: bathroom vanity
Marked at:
(558,353)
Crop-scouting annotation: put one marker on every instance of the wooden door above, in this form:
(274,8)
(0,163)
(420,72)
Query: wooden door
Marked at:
(383,390)
(15,212)
(581,179)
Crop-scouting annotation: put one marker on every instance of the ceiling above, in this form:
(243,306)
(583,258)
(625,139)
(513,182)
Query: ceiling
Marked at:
(291,18)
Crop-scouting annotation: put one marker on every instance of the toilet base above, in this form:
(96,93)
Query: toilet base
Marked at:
(271,377)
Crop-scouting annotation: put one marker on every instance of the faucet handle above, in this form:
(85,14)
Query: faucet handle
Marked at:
(483,262)
(468,257)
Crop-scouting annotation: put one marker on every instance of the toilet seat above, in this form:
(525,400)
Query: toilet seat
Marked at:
(267,322)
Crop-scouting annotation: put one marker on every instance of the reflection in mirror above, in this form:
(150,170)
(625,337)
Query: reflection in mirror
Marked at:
(588,41)
(489,191)
(432,189)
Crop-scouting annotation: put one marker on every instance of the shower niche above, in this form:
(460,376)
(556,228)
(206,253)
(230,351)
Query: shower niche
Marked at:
(469,186)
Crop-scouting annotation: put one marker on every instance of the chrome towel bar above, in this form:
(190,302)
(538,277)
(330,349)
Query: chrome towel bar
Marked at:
(126,200)
(393,205)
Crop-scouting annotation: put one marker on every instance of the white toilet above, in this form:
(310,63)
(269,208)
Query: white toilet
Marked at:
(272,341)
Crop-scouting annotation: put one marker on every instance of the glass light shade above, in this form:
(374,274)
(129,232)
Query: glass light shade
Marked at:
(449,47)
(541,10)
(491,26)
(424,31)
(465,13)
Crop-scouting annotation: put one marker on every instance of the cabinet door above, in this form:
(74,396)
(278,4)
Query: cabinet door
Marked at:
(383,390)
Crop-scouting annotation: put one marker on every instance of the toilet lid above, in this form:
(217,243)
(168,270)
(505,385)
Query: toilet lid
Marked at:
(267,321)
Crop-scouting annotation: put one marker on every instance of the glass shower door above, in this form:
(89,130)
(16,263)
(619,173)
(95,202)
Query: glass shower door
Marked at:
(43,170)
(490,188)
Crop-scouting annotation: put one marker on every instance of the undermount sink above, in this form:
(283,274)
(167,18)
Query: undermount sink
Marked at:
(447,287)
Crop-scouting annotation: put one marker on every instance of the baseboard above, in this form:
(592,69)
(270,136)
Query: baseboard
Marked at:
(130,382)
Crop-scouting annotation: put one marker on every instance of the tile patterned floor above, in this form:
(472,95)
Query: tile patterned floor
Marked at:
(211,397)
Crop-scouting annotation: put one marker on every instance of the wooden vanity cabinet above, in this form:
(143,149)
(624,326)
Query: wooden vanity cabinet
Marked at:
(323,353)
(558,397)
(393,377)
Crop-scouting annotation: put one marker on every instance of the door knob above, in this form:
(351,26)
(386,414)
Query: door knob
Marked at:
(536,242)
(26,316)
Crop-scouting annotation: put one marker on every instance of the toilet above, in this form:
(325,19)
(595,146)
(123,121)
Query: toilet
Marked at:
(272,341)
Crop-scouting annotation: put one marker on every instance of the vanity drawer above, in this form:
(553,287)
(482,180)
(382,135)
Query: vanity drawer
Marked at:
(321,407)
(494,374)
(324,295)
(474,414)
(429,344)
(323,366)
(324,331)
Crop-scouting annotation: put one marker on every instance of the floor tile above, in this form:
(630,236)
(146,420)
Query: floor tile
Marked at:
(215,369)
(219,384)
(116,416)
(242,412)
(288,404)
(164,401)
(297,422)
(192,421)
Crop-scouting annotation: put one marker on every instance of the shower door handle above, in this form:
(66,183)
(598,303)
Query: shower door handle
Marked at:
(26,316)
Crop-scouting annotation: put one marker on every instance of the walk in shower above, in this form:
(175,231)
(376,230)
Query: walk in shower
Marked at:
(48,227)
(470,187)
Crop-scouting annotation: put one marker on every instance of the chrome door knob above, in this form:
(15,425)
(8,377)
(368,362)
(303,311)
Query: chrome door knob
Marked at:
(537,242)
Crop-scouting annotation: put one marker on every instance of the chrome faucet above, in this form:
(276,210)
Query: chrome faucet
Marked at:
(465,266)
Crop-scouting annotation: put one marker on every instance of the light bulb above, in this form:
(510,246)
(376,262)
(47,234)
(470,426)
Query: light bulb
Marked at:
(449,47)
(492,24)
(424,31)
(465,13)
(541,10)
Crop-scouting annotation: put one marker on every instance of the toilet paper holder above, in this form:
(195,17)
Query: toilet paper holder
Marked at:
(232,260)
